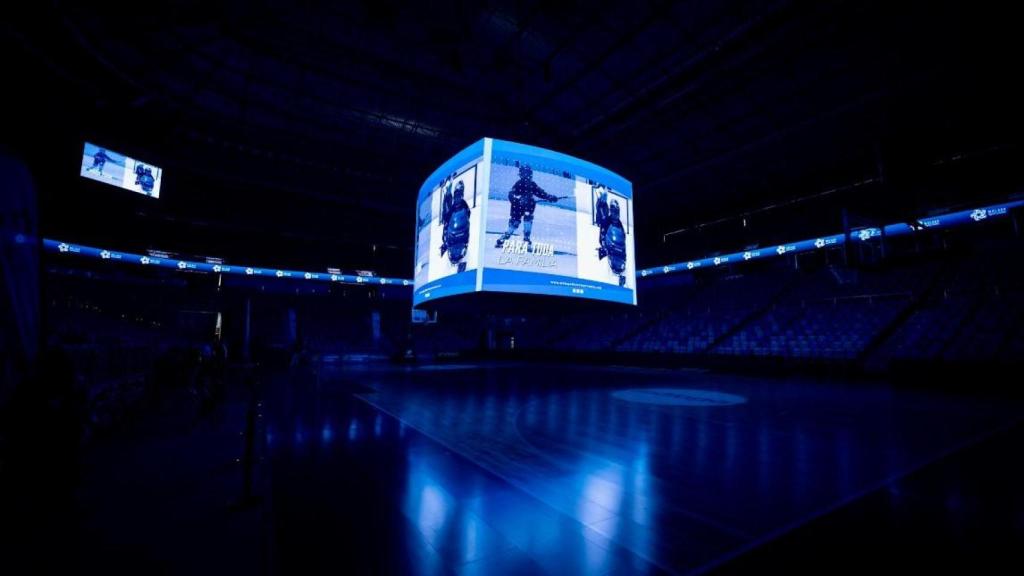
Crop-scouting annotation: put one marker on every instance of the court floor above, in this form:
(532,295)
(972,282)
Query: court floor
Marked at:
(532,469)
(585,470)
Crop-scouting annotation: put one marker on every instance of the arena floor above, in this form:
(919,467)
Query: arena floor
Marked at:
(533,469)
(582,470)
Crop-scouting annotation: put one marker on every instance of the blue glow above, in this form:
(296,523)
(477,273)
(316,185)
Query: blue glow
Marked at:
(506,217)
(570,163)
(180,265)
(679,397)
(952,219)
(553,285)
(961,217)
(116,169)
(465,156)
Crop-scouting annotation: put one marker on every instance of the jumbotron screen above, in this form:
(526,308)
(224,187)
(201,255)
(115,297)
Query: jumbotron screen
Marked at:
(109,167)
(506,217)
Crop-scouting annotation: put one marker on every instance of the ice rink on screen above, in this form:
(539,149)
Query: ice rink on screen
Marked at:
(113,169)
(553,222)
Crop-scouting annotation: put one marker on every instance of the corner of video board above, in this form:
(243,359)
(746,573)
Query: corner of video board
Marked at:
(109,167)
(506,217)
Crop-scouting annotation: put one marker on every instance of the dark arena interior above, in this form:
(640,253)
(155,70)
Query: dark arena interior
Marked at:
(359,288)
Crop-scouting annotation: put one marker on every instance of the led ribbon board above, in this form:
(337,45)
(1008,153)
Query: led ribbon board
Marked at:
(963,217)
(59,247)
(949,220)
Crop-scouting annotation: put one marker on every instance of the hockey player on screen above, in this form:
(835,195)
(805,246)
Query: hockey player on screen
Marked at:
(99,159)
(446,210)
(446,200)
(146,180)
(522,204)
(455,238)
(613,242)
(601,218)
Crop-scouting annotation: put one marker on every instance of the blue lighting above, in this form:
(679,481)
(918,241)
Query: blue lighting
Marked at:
(679,397)
(116,169)
(952,219)
(962,217)
(61,247)
(484,201)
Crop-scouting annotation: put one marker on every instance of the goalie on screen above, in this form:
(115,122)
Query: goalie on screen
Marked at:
(611,235)
(455,225)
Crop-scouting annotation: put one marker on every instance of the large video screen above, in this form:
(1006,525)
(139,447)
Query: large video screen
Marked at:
(109,167)
(507,217)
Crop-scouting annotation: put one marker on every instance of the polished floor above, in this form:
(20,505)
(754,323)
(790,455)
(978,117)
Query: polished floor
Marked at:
(533,469)
(513,469)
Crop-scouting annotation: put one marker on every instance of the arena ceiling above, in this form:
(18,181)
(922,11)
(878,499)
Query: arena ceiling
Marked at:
(314,123)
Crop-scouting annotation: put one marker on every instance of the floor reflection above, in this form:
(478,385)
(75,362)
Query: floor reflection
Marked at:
(515,470)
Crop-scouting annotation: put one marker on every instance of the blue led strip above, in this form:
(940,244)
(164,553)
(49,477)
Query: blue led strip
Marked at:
(951,219)
(191,266)
(860,235)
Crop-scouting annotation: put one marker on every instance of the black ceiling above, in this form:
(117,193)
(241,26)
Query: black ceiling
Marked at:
(313,123)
